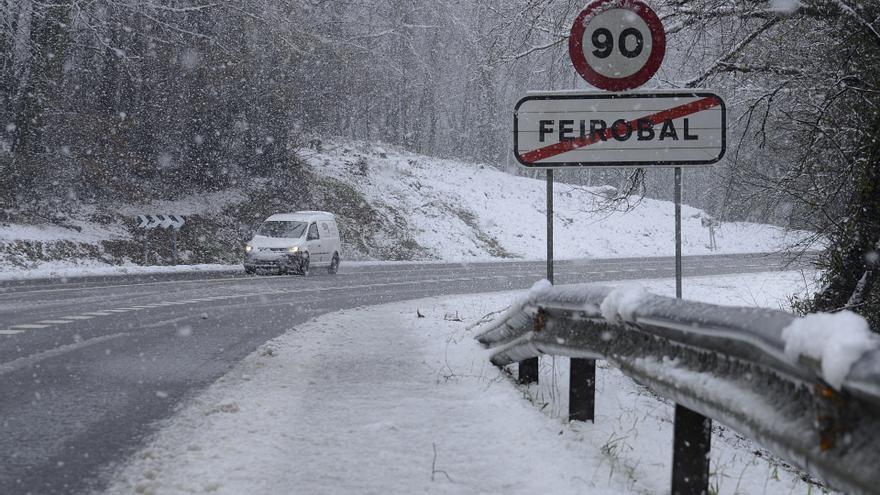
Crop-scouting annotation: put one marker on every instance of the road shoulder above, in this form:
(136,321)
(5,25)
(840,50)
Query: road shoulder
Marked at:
(381,400)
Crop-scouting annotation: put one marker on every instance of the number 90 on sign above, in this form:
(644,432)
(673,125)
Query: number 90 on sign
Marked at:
(603,41)
(617,44)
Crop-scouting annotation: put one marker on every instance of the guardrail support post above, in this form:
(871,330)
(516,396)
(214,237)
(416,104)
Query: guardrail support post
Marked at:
(690,452)
(582,389)
(528,371)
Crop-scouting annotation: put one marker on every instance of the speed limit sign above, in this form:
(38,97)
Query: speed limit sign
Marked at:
(617,44)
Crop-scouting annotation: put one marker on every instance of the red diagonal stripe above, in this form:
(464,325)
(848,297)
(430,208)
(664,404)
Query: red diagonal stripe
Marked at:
(657,118)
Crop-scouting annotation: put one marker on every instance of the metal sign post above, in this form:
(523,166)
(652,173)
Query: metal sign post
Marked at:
(529,369)
(174,245)
(550,225)
(678,232)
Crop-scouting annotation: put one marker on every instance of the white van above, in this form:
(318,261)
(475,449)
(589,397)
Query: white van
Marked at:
(295,243)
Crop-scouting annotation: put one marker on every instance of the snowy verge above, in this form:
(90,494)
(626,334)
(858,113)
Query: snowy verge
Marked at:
(64,269)
(379,400)
(393,204)
(469,211)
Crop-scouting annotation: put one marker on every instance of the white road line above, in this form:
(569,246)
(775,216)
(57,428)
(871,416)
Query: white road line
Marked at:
(16,329)
(21,362)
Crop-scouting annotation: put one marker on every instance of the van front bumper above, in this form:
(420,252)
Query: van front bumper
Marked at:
(282,262)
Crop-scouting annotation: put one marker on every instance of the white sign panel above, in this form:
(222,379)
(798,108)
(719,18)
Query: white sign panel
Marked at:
(555,130)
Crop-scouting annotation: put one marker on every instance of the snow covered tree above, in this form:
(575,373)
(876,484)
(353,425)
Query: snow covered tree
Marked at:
(808,76)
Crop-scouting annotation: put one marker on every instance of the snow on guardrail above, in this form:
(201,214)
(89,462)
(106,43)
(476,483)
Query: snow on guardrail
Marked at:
(807,388)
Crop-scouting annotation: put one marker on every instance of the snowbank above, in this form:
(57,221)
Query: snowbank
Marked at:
(465,211)
(836,340)
(79,232)
(64,269)
(378,400)
(427,208)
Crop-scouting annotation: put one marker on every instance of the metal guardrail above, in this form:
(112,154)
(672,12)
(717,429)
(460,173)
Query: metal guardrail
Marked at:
(726,363)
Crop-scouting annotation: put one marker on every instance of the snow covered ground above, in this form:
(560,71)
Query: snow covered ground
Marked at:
(453,211)
(82,268)
(378,400)
(465,211)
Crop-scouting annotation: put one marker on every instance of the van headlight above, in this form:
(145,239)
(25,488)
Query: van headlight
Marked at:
(293,249)
(248,248)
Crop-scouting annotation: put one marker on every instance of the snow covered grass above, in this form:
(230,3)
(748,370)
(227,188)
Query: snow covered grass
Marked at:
(466,211)
(393,204)
(380,400)
(211,203)
(69,269)
(79,231)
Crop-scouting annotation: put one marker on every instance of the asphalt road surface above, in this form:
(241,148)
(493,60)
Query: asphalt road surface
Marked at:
(88,365)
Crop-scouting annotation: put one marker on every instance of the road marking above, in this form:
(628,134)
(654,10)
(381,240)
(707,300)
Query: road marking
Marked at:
(16,329)
(21,362)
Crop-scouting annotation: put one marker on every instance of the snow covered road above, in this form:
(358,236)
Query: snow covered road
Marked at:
(380,400)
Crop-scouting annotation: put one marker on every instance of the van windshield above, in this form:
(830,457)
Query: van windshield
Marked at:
(292,230)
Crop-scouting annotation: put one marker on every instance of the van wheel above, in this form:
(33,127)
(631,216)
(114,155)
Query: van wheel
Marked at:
(334,265)
(304,267)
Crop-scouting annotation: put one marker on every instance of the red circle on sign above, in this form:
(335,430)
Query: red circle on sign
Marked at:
(579,59)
